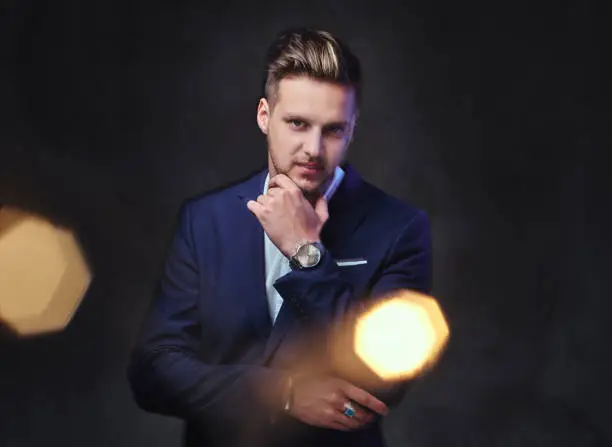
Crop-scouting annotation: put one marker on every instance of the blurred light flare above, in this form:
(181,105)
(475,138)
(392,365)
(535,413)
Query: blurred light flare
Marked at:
(43,273)
(401,336)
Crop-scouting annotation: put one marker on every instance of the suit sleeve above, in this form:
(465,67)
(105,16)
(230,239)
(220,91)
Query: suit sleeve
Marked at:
(166,374)
(322,297)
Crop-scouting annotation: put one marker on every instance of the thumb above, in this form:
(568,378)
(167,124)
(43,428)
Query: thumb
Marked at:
(321,209)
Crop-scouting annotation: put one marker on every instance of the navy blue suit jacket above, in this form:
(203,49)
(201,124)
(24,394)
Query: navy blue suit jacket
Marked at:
(208,352)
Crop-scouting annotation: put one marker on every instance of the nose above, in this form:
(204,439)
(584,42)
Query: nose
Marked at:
(314,144)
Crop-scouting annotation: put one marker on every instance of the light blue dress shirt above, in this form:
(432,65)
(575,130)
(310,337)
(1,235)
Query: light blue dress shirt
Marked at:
(277,264)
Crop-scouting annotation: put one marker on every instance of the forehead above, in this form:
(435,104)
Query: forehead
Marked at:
(315,99)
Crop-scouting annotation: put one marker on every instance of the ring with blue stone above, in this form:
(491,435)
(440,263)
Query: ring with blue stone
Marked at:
(349,410)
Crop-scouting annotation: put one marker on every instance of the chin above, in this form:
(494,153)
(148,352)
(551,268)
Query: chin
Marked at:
(308,186)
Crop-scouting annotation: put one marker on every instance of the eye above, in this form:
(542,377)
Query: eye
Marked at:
(297,124)
(336,131)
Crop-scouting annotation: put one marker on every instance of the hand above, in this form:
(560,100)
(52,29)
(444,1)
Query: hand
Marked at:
(286,216)
(319,401)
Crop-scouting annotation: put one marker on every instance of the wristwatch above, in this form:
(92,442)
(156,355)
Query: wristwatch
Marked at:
(307,255)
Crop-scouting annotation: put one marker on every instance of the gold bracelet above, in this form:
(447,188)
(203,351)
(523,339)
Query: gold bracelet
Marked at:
(288,395)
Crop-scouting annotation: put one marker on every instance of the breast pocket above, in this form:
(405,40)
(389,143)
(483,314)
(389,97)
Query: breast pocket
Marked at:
(357,272)
(351,262)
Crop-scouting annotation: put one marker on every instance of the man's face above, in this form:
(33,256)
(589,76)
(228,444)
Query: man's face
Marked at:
(309,128)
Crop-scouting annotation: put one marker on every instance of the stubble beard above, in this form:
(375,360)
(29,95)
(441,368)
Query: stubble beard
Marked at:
(310,195)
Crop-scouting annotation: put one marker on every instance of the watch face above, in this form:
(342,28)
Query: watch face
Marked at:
(308,255)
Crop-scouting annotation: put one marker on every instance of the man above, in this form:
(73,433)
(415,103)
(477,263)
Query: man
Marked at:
(235,341)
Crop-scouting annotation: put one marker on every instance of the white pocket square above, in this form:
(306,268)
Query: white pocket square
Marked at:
(350,262)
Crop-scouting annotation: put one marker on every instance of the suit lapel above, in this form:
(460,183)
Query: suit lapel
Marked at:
(347,209)
(252,250)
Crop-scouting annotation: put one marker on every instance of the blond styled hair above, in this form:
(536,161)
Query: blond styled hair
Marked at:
(313,53)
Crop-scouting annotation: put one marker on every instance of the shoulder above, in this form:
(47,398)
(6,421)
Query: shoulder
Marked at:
(392,210)
(218,199)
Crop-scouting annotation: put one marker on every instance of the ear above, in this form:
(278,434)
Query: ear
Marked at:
(263,115)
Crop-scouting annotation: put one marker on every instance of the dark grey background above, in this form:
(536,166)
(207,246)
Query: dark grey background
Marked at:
(492,117)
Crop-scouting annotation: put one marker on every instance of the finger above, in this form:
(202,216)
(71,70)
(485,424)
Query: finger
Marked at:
(274,192)
(338,420)
(348,422)
(367,415)
(282,181)
(255,207)
(364,398)
(361,414)
(321,209)
(263,200)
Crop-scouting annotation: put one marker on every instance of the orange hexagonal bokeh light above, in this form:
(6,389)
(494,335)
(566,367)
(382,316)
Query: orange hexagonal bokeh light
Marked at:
(401,336)
(43,273)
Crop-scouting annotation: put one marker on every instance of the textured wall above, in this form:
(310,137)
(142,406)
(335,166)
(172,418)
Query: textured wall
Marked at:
(490,118)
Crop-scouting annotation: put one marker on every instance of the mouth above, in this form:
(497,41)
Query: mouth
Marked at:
(310,168)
